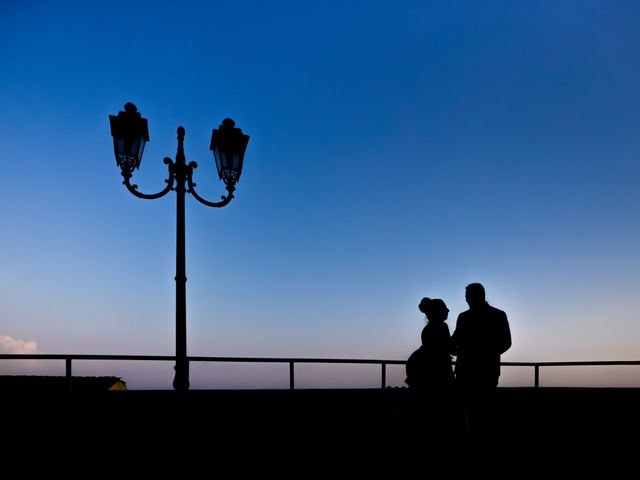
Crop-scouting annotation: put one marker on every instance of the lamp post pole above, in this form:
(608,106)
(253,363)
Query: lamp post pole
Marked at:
(181,379)
(130,133)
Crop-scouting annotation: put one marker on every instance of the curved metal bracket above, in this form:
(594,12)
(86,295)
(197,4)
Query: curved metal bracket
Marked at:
(127,174)
(225,199)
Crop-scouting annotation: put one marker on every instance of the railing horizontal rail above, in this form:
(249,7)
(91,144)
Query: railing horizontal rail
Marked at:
(571,364)
(295,360)
(48,356)
(291,361)
(170,358)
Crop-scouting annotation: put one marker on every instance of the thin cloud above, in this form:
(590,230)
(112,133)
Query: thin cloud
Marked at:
(11,345)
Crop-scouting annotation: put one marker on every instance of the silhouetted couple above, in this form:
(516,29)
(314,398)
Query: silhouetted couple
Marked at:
(482,334)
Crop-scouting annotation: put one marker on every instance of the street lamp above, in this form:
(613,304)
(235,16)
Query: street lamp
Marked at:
(130,133)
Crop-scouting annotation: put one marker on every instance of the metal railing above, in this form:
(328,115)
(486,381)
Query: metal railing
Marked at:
(536,366)
(68,359)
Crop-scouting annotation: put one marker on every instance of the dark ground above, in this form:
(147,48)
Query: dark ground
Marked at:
(578,427)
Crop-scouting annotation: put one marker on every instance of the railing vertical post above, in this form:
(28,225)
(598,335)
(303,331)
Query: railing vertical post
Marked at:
(536,376)
(291,377)
(384,374)
(68,373)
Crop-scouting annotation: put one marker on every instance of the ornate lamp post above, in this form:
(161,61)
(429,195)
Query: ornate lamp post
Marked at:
(130,133)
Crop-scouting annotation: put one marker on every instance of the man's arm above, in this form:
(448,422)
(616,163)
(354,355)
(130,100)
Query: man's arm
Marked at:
(504,343)
(455,338)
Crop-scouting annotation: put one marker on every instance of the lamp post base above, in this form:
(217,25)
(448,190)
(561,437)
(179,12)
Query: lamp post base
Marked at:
(181,379)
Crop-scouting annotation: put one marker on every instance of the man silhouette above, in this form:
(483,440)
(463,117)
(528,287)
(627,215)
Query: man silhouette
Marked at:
(482,334)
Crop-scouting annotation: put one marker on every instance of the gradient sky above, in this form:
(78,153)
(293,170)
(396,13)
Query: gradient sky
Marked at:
(398,150)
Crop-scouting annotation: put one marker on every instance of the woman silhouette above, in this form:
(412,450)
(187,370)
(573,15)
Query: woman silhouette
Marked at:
(433,402)
(429,367)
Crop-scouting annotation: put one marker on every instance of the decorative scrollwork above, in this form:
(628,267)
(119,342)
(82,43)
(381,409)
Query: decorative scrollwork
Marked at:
(133,188)
(225,198)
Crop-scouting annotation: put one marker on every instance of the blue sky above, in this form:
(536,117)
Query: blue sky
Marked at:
(397,151)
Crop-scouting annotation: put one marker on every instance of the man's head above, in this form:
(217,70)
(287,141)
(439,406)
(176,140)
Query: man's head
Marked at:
(475,295)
